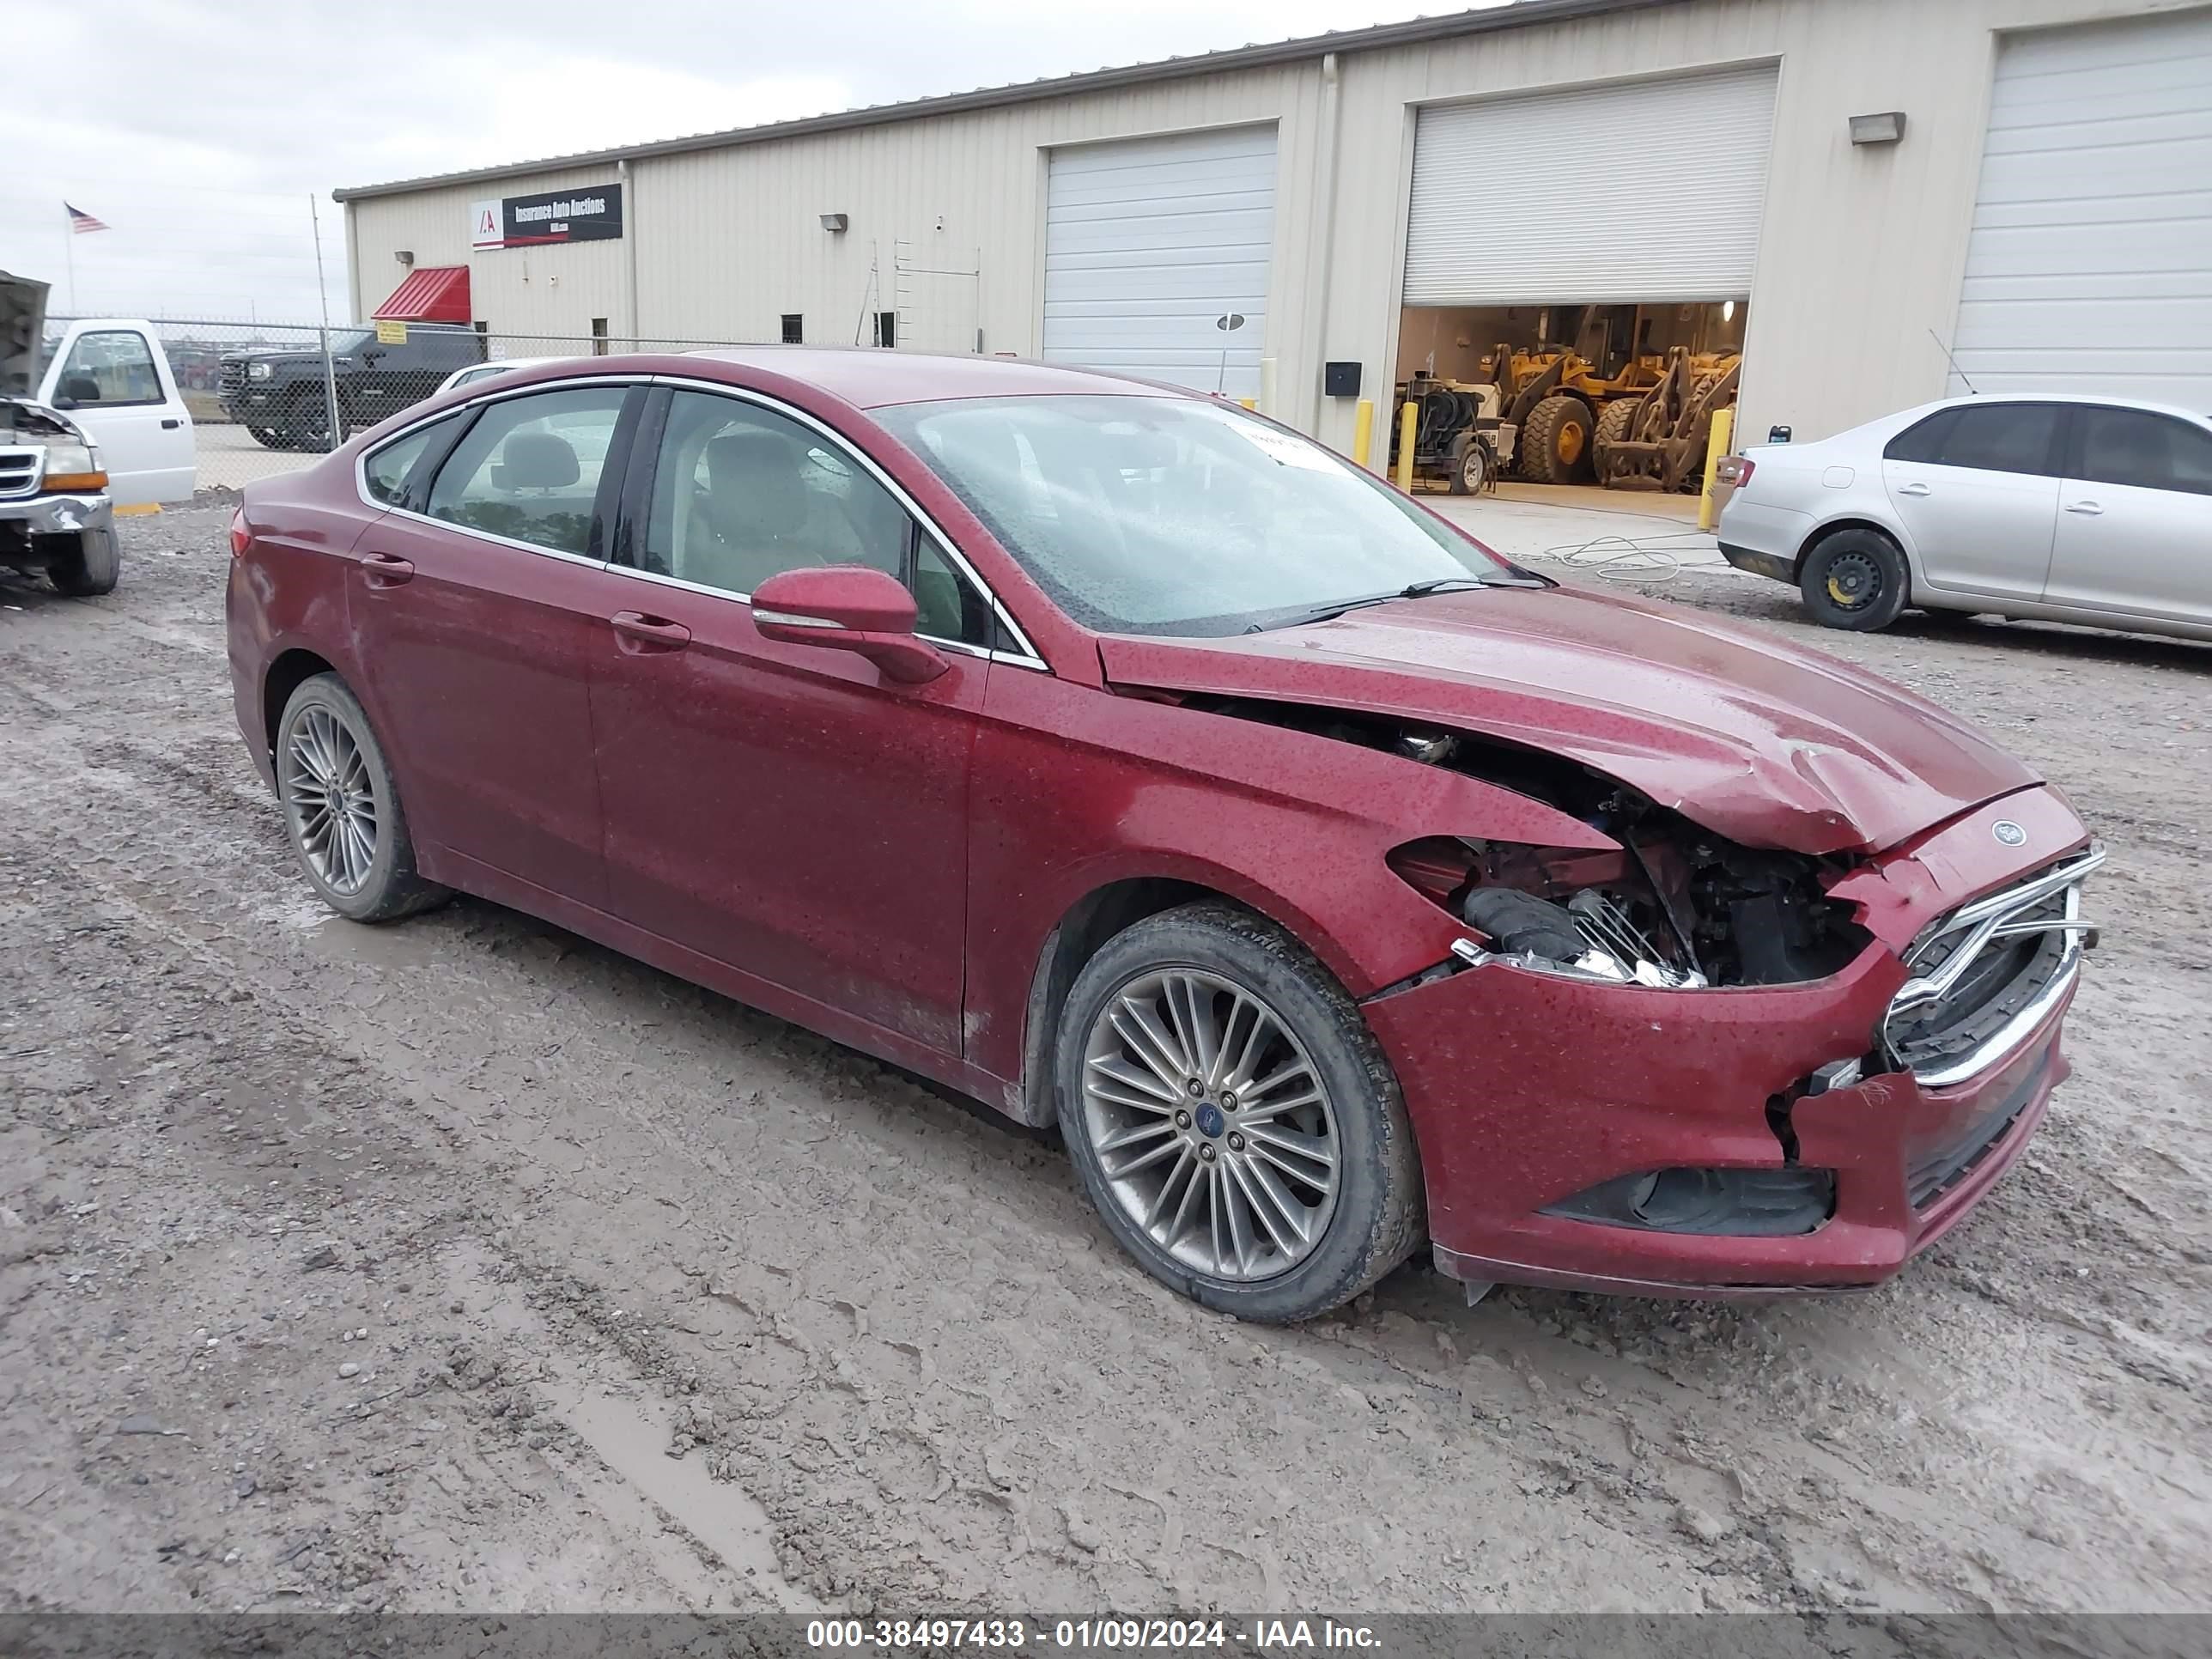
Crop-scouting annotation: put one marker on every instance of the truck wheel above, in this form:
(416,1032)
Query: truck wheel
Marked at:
(1555,444)
(1470,466)
(1855,579)
(1231,1117)
(306,424)
(86,564)
(266,436)
(342,807)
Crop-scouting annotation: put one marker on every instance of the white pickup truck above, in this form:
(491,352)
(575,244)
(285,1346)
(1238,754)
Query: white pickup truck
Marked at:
(102,426)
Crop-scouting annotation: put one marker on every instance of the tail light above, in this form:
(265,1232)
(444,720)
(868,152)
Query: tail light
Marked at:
(1734,470)
(240,536)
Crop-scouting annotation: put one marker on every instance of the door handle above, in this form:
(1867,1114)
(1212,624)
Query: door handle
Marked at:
(387,570)
(169,425)
(1913,490)
(640,634)
(2087,509)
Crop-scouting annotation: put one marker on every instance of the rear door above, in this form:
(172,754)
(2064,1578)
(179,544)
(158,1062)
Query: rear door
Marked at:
(112,380)
(1976,488)
(478,602)
(2134,516)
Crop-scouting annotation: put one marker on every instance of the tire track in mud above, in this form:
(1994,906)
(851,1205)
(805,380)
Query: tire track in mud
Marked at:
(892,1321)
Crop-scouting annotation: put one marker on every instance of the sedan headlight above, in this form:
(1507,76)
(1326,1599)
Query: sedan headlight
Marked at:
(260,371)
(73,467)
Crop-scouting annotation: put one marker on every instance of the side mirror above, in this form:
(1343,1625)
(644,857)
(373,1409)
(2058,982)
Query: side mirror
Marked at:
(849,607)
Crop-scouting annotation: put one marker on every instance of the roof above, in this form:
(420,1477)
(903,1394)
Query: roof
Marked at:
(1520,14)
(433,294)
(869,377)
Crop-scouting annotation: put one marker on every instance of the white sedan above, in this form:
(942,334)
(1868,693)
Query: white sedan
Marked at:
(2093,510)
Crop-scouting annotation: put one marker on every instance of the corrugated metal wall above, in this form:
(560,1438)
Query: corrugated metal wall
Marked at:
(1860,259)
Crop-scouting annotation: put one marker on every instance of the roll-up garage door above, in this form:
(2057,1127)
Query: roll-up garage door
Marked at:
(1617,194)
(2090,265)
(1149,243)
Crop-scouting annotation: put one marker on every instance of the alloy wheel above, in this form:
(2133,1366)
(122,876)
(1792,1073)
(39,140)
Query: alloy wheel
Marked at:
(1210,1124)
(330,800)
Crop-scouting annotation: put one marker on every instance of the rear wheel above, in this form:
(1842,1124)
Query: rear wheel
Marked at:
(1855,579)
(86,564)
(1555,443)
(1231,1117)
(342,807)
(1470,468)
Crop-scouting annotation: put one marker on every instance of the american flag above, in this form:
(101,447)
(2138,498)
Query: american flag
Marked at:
(82,221)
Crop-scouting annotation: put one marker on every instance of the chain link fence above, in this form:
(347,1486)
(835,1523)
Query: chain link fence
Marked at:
(268,398)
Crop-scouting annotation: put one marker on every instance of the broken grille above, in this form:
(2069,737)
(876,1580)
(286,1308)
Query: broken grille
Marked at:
(1987,974)
(19,471)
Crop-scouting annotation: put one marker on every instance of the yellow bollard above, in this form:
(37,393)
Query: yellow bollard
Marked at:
(1716,445)
(1409,421)
(1363,431)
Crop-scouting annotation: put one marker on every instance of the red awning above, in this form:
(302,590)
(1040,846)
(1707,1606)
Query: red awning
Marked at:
(437,294)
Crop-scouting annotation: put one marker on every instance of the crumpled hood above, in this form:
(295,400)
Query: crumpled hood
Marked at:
(1757,739)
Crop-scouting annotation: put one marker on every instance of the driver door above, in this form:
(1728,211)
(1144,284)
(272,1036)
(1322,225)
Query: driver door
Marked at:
(782,809)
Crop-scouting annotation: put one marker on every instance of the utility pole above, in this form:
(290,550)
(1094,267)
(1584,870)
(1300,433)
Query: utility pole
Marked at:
(323,294)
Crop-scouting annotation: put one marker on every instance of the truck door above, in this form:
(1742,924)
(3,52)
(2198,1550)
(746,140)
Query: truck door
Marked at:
(110,377)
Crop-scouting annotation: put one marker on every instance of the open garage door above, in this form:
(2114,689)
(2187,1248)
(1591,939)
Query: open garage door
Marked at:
(1596,195)
(1149,243)
(1578,273)
(2090,265)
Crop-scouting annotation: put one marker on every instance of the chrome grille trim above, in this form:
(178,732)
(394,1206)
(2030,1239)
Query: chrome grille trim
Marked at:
(19,471)
(1987,922)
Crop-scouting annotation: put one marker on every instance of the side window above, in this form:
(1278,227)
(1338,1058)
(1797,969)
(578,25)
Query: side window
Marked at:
(529,469)
(385,468)
(1923,441)
(107,368)
(742,494)
(2002,438)
(2147,451)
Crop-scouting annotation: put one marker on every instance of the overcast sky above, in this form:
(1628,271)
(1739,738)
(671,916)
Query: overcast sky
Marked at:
(199,128)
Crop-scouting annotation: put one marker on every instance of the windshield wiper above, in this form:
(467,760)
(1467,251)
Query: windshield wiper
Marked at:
(1411,591)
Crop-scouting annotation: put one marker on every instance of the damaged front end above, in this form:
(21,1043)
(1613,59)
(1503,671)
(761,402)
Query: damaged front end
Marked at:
(1681,1065)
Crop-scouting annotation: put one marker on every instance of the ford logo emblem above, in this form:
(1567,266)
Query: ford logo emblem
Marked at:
(2009,832)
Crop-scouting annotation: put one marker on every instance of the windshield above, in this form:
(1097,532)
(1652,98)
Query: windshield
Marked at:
(345,341)
(1178,515)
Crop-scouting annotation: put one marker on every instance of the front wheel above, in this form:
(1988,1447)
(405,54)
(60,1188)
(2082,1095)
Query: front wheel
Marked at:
(88,565)
(342,807)
(1855,579)
(1233,1119)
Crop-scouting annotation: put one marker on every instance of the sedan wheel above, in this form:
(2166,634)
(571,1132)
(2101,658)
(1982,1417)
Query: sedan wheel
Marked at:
(1854,579)
(342,808)
(1213,1130)
(1231,1117)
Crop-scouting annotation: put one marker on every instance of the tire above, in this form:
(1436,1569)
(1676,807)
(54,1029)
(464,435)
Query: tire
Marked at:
(383,886)
(1470,467)
(266,436)
(1855,579)
(1344,1238)
(1555,443)
(89,568)
(304,423)
(1614,420)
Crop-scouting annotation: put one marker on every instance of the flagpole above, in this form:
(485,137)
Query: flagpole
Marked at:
(69,250)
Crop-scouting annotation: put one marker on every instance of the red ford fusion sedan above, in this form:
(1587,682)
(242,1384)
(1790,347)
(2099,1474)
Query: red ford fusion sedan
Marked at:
(1336,886)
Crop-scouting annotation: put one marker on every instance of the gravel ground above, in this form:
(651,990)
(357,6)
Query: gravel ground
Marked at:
(464,1266)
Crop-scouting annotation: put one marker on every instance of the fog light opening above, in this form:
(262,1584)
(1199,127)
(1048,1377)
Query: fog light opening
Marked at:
(1760,1203)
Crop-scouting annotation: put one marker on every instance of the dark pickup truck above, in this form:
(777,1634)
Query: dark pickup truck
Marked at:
(277,392)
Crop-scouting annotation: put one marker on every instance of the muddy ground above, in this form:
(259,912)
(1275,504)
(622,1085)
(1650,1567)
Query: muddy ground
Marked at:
(462,1265)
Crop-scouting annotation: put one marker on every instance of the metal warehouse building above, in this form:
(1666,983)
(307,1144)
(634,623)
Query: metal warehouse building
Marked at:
(1842,188)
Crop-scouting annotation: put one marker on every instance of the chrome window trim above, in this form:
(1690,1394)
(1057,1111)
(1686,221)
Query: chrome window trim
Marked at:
(1027,657)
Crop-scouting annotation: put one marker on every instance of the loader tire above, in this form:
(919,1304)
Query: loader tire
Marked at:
(1555,444)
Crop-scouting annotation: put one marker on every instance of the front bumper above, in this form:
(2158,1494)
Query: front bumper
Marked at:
(1526,1089)
(59,515)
